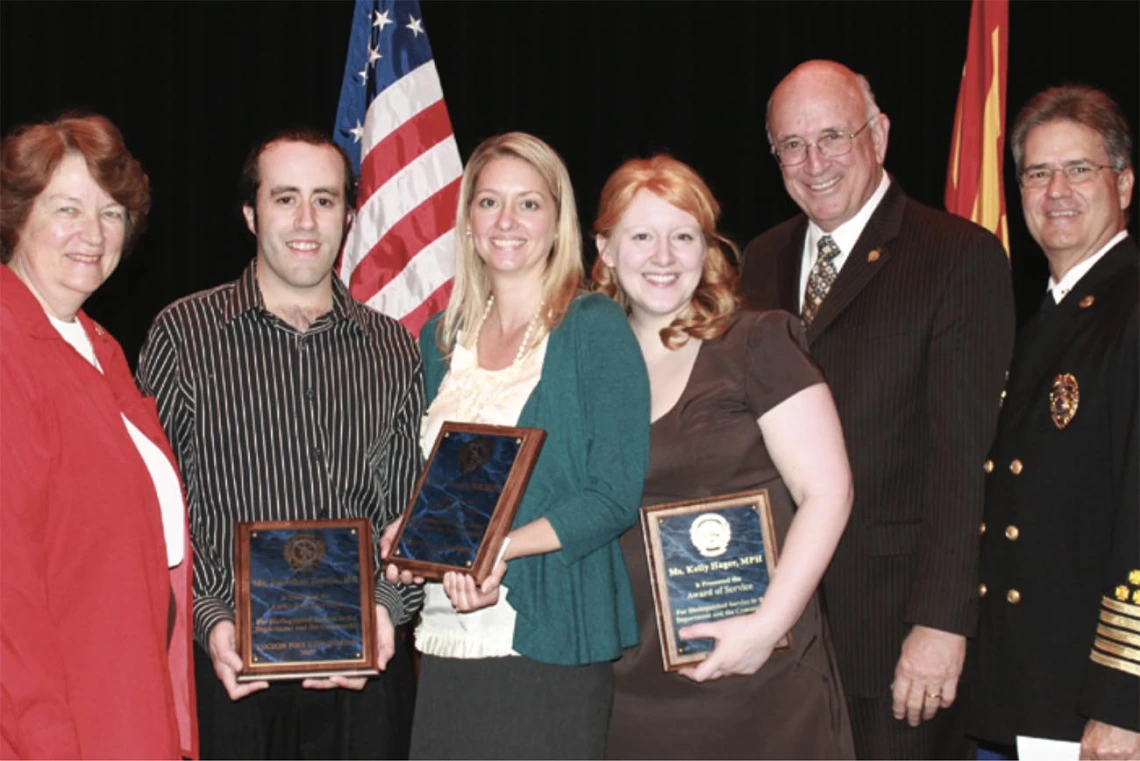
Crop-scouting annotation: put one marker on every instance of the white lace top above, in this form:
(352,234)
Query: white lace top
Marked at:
(471,394)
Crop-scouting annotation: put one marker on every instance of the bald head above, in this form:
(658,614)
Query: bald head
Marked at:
(822,71)
(825,99)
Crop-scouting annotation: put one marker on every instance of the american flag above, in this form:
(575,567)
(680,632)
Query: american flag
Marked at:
(399,255)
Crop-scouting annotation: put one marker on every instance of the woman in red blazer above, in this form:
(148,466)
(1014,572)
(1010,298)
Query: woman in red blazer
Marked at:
(94,557)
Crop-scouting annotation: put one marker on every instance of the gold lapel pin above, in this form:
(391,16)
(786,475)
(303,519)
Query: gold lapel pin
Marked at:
(1087,302)
(873,256)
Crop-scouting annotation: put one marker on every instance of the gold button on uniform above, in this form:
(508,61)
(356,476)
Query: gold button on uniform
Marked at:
(982,589)
(1011,533)
(1013,597)
(988,466)
(1016,467)
(981,528)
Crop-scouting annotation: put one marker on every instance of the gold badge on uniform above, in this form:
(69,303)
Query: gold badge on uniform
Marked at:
(1063,399)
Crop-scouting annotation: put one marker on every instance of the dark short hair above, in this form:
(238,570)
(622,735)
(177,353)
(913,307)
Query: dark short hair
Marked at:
(31,152)
(250,179)
(1083,105)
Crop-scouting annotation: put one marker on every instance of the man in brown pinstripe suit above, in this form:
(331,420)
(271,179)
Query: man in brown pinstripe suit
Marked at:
(909,312)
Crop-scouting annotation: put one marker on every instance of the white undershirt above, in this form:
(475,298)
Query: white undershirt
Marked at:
(845,236)
(165,480)
(488,632)
(1070,279)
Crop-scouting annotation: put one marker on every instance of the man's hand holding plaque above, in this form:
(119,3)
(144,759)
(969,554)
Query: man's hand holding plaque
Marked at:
(463,506)
(710,563)
(385,649)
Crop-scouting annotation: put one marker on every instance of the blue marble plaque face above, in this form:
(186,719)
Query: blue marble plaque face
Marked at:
(714,568)
(305,596)
(453,509)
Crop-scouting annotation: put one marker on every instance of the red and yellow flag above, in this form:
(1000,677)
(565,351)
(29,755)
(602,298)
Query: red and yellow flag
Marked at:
(974,178)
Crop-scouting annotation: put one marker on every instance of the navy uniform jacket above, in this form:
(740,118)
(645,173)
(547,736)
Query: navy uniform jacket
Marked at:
(1059,622)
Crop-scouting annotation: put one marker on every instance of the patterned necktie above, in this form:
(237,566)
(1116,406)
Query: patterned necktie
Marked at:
(820,280)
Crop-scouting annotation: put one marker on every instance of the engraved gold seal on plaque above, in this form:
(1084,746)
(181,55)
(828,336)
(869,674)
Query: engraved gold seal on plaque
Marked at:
(304,551)
(1063,399)
(474,455)
(710,534)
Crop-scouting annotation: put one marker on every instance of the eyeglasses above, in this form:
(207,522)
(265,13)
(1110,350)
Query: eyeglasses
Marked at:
(794,150)
(1075,173)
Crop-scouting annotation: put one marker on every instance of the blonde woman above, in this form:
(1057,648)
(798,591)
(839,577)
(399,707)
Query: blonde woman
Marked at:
(523,668)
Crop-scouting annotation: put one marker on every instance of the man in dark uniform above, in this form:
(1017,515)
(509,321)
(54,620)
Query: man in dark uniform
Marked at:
(1058,645)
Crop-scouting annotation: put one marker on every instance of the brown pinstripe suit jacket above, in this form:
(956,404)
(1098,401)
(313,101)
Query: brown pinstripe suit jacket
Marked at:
(914,338)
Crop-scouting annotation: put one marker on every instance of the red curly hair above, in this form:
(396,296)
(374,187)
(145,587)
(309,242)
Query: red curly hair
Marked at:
(714,302)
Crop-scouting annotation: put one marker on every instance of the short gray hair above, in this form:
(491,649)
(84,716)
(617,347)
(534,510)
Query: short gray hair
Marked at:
(1082,105)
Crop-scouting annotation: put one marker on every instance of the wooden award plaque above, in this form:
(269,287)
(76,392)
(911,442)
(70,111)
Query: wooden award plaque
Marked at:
(466,499)
(709,559)
(304,599)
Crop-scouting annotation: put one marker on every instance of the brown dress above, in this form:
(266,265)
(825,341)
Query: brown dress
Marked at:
(709,444)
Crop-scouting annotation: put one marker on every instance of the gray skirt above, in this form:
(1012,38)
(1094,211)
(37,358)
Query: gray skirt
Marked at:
(510,708)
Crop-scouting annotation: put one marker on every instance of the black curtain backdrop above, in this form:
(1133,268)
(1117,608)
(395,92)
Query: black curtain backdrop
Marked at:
(194,84)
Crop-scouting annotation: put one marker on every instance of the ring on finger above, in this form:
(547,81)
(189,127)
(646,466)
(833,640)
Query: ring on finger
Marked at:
(934,695)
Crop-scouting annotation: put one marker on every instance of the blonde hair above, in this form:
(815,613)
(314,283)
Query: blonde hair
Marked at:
(714,302)
(563,275)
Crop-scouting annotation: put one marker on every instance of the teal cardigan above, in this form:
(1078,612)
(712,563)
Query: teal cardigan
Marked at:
(575,605)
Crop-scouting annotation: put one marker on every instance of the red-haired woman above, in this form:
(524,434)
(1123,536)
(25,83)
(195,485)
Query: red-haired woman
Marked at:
(94,557)
(737,405)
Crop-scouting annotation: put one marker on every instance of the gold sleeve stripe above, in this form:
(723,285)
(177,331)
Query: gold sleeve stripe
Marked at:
(1114,663)
(1119,636)
(1121,621)
(1121,607)
(1130,653)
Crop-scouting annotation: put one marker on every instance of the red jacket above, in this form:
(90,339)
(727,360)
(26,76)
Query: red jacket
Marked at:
(85,671)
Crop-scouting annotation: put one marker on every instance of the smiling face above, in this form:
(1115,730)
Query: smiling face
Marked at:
(1072,222)
(815,99)
(71,241)
(300,219)
(513,219)
(657,252)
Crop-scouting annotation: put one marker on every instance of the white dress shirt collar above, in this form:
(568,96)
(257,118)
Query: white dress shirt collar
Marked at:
(845,236)
(1070,279)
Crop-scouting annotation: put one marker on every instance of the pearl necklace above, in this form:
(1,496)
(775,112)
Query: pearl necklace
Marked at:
(477,388)
(524,347)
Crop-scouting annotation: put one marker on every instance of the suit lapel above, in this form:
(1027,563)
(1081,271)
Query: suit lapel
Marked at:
(870,254)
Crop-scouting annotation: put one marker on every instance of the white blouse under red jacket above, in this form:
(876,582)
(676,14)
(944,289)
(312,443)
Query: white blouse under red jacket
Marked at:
(85,590)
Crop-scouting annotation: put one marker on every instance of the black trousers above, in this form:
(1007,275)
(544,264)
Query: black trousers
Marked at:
(288,721)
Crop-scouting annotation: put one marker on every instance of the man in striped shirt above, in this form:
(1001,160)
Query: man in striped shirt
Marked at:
(285,399)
